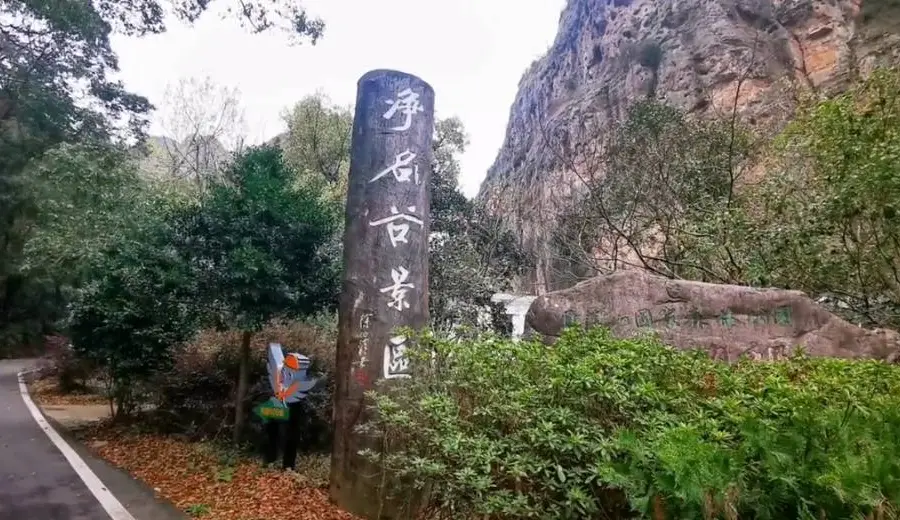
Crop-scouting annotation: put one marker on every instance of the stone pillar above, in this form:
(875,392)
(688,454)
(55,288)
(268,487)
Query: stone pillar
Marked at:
(385,283)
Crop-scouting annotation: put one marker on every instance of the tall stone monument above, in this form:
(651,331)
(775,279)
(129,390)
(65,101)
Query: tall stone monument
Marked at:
(385,284)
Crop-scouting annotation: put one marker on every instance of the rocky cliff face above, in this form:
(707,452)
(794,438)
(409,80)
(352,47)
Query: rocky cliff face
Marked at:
(705,56)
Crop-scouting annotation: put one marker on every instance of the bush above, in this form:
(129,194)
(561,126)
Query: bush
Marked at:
(196,397)
(128,321)
(71,372)
(597,427)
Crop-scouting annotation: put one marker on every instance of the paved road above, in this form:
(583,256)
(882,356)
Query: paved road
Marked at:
(36,480)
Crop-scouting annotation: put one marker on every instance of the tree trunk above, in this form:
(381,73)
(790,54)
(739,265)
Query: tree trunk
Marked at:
(243,377)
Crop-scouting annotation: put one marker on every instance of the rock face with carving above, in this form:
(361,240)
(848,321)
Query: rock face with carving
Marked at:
(728,321)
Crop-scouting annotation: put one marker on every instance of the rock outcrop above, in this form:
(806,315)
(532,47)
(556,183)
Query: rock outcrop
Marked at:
(705,56)
(728,321)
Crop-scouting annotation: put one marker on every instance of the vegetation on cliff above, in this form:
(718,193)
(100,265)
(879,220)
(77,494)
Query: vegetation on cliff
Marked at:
(814,210)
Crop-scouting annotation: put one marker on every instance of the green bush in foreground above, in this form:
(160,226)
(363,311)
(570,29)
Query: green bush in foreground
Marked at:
(597,427)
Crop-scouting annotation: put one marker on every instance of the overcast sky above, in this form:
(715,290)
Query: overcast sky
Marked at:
(473,52)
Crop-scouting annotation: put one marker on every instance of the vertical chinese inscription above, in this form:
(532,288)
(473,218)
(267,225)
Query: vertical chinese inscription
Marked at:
(385,259)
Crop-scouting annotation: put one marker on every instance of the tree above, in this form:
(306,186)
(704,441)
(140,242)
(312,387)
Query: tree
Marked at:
(57,86)
(90,198)
(471,255)
(109,243)
(47,48)
(203,124)
(128,319)
(825,220)
(658,194)
(317,145)
(255,244)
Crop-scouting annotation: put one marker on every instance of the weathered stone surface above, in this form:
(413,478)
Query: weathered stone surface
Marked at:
(690,53)
(385,282)
(729,321)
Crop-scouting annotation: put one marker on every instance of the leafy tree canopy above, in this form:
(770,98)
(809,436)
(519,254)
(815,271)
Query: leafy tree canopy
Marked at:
(256,244)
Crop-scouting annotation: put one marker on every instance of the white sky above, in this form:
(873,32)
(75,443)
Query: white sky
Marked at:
(473,52)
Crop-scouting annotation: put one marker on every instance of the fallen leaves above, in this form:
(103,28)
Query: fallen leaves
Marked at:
(46,391)
(209,484)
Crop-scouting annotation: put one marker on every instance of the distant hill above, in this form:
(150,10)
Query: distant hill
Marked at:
(197,158)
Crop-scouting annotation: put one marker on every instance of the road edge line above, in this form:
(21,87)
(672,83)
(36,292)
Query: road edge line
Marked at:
(108,501)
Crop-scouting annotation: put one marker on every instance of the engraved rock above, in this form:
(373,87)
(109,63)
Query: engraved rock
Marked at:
(728,321)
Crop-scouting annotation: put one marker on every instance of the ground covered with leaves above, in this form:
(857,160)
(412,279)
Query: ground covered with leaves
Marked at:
(208,482)
(203,479)
(46,391)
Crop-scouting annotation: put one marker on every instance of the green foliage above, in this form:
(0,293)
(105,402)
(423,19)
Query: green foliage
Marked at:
(198,510)
(87,200)
(597,427)
(317,145)
(826,220)
(127,319)
(89,197)
(471,256)
(676,200)
(255,244)
(659,195)
(48,49)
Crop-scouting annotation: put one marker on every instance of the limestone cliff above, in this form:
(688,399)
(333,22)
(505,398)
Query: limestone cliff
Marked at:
(705,56)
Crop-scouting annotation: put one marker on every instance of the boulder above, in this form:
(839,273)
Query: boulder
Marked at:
(728,321)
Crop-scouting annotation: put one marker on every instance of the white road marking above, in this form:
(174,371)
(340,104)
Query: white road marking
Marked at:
(110,503)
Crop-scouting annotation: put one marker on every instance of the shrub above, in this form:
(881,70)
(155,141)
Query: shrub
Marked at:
(71,372)
(650,55)
(597,427)
(128,321)
(196,397)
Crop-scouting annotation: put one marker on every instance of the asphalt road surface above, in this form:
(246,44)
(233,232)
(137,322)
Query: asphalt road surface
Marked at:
(37,482)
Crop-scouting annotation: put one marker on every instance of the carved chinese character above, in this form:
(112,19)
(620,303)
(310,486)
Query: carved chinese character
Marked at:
(363,352)
(644,318)
(402,169)
(398,232)
(407,103)
(396,363)
(783,315)
(697,320)
(670,319)
(398,289)
(727,319)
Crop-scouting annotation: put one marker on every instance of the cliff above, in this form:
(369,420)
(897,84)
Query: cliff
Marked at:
(704,56)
